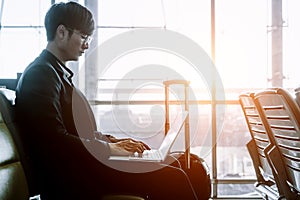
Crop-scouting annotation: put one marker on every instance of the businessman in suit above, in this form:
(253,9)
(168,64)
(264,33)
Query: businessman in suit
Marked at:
(62,163)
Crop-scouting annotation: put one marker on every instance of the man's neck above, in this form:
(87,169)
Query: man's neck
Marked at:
(52,48)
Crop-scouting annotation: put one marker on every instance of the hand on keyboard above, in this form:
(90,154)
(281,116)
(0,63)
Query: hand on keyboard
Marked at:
(127,147)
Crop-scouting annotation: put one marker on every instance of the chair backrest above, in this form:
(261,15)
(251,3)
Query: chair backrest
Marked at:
(259,139)
(13,182)
(281,116)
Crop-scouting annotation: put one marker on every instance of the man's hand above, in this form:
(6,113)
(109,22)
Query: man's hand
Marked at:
(127,147)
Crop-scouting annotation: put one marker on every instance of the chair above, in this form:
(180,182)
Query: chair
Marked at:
(13,181)
(281,117)
(266,182)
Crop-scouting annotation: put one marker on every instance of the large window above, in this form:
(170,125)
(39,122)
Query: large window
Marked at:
(22,35)
(242,52)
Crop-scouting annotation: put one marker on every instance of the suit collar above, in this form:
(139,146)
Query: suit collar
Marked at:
(60,67)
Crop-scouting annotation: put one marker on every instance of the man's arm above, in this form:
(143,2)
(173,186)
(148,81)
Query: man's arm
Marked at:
(39,104)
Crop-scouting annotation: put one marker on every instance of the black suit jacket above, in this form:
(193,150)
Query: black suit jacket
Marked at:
(59,140)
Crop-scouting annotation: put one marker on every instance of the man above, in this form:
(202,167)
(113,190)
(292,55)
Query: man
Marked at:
(63,166)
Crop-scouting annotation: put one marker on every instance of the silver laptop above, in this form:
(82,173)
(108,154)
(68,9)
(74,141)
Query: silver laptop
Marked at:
(158,155)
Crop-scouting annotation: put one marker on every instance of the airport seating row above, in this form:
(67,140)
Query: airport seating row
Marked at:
(273,119)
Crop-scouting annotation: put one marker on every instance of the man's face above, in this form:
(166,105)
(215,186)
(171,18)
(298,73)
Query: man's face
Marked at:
(76,45)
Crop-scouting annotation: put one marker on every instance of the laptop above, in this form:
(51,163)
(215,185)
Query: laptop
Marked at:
(158,155)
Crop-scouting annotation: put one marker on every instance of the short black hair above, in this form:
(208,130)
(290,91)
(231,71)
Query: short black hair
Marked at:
(72,15)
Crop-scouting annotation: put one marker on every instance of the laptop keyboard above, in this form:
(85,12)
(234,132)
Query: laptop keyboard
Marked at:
(148,155)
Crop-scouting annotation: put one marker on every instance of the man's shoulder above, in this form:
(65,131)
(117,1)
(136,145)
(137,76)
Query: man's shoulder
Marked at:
(42,60)
(42,64)
(40,72)
(45,61)
(40,67)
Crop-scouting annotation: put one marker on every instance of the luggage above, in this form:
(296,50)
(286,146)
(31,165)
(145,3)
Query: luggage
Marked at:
(194,166)
(198,174)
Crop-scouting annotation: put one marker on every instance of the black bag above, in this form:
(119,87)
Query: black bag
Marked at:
(198,173)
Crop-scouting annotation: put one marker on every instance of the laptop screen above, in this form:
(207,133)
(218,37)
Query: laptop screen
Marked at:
(172,134)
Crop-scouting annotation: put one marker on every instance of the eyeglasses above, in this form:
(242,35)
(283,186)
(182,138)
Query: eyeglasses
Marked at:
(85,39)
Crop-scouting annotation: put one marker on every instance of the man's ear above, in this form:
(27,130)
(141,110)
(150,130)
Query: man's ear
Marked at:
(61,32)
